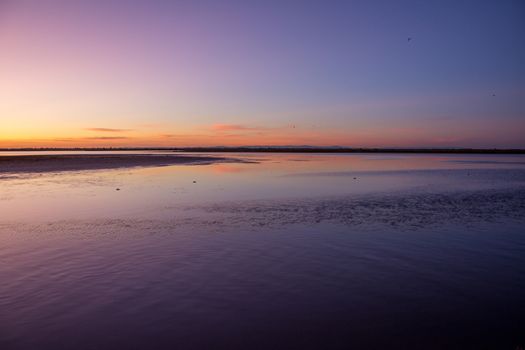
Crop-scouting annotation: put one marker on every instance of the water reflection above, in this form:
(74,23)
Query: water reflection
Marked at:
(295,251)
(89,194)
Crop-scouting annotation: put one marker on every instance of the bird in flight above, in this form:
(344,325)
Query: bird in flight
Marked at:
(409,38)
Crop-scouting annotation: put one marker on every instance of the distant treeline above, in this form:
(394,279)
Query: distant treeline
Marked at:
(352,150)
(283,149)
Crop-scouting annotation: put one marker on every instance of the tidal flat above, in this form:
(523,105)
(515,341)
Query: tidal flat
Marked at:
(45,163)
(264,251)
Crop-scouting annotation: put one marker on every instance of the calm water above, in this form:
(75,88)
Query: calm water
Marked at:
(289,251)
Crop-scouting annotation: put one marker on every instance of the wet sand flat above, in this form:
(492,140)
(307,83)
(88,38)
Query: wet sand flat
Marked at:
(58,163)
(263,251)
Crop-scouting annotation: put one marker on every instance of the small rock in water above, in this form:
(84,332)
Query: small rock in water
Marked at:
(355,178)
(194,181)
(118,189)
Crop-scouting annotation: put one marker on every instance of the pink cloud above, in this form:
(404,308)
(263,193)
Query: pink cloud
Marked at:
(232,127)
(107,138)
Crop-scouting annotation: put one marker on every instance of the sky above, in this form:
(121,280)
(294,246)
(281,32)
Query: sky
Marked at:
(100,73)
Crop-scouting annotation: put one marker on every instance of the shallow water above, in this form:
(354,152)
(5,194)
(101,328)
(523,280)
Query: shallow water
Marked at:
(289,251)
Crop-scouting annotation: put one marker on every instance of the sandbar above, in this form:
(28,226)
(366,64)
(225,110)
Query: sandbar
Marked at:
(68,162)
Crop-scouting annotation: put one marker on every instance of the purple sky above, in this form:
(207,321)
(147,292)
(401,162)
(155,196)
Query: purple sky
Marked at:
(262,72)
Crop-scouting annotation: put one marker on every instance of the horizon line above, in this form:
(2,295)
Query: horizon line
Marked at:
(289,149)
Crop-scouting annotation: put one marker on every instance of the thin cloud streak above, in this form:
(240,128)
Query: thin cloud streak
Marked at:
(233,127)
(107,138)
(107,130)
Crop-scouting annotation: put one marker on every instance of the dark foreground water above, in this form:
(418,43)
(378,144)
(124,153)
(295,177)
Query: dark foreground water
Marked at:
(292,252)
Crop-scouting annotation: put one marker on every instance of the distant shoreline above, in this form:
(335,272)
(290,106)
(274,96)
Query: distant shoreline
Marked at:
(59,163)
(290,149)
